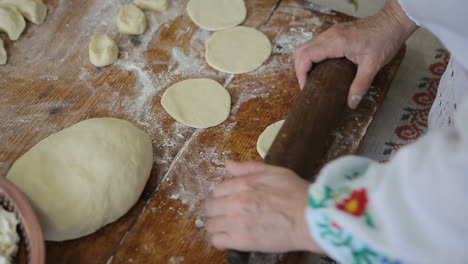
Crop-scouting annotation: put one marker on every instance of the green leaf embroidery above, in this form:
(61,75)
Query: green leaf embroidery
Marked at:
(363,256)
(369,220)
(321,203)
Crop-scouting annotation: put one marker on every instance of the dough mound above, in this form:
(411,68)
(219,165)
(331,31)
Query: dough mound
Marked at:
(3,54)
(267,137)
(217,14)
(153,5)
(131,21)
(84,177)
(103,50)
(198,103)
(237,50)
(11,22)
(33,10)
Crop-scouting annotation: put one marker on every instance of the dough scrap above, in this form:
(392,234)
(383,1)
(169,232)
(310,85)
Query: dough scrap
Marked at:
(103,50)
(237,50)
(11,22)
(33,10)
(153,5)
(217,14)
(198,103)
(3,54)
(131,20)
(85,176)
(267,137)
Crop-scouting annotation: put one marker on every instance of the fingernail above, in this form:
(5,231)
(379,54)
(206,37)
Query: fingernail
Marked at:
(355,100)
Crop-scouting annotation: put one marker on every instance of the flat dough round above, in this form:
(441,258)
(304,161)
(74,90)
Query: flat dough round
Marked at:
(267,137)
(85,176)
(217,14)
(237,50)
(198,103)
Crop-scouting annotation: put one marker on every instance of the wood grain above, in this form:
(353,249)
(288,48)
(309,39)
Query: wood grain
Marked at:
(49,84)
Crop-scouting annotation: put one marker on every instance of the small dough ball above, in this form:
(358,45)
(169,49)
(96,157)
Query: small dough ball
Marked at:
(11,22)
(131,21)
(267,137)
(198,103)
(3,54)
(237,50)
(33,10)
(153,5)
(217,14)
(103,50)
(85,176)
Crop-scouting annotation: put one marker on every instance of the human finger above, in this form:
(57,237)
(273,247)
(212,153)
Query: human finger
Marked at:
(228,205)
(244,168)
(220,224)
(365,75)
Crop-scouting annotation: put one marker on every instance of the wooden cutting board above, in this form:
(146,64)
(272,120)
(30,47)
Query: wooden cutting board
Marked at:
(49,84)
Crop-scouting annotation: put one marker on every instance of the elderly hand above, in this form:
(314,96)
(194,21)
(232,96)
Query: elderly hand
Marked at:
(261,209)
(370,43)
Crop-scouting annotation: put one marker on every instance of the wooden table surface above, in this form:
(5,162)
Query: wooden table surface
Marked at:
(49,84)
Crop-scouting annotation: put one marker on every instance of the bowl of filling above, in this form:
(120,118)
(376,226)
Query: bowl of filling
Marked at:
(21,238)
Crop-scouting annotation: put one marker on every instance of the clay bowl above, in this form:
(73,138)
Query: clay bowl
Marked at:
(31,249)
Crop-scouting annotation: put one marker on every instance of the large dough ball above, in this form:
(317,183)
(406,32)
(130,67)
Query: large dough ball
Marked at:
(103,50)
(85,176)
(217,14)
(11,22)
(131,21)
(33,10)
(3,54)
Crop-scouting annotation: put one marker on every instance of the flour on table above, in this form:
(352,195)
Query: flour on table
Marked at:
(176,260)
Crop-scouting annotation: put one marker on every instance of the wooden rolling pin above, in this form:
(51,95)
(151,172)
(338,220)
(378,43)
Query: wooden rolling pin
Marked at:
(304,138)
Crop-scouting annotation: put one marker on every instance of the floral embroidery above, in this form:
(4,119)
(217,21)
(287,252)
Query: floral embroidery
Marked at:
(332,233)
(356,204)
(415,117)
(321,199)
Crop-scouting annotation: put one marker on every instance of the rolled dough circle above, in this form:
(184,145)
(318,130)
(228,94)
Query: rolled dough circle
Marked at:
(217,14)
(267,137)
(198,103)
(237,50)
(85,176)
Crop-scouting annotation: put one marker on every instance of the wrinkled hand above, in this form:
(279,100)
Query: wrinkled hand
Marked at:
(261,209)
(370,43)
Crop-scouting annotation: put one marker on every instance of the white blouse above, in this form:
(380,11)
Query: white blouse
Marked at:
(414,208)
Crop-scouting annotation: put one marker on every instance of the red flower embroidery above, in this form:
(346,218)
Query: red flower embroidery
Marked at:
(438,68)
(432,87)
(420,117)
(423,99)
(356,204)
(408,132)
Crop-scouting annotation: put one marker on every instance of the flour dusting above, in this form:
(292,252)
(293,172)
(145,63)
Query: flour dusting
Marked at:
(176,260)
